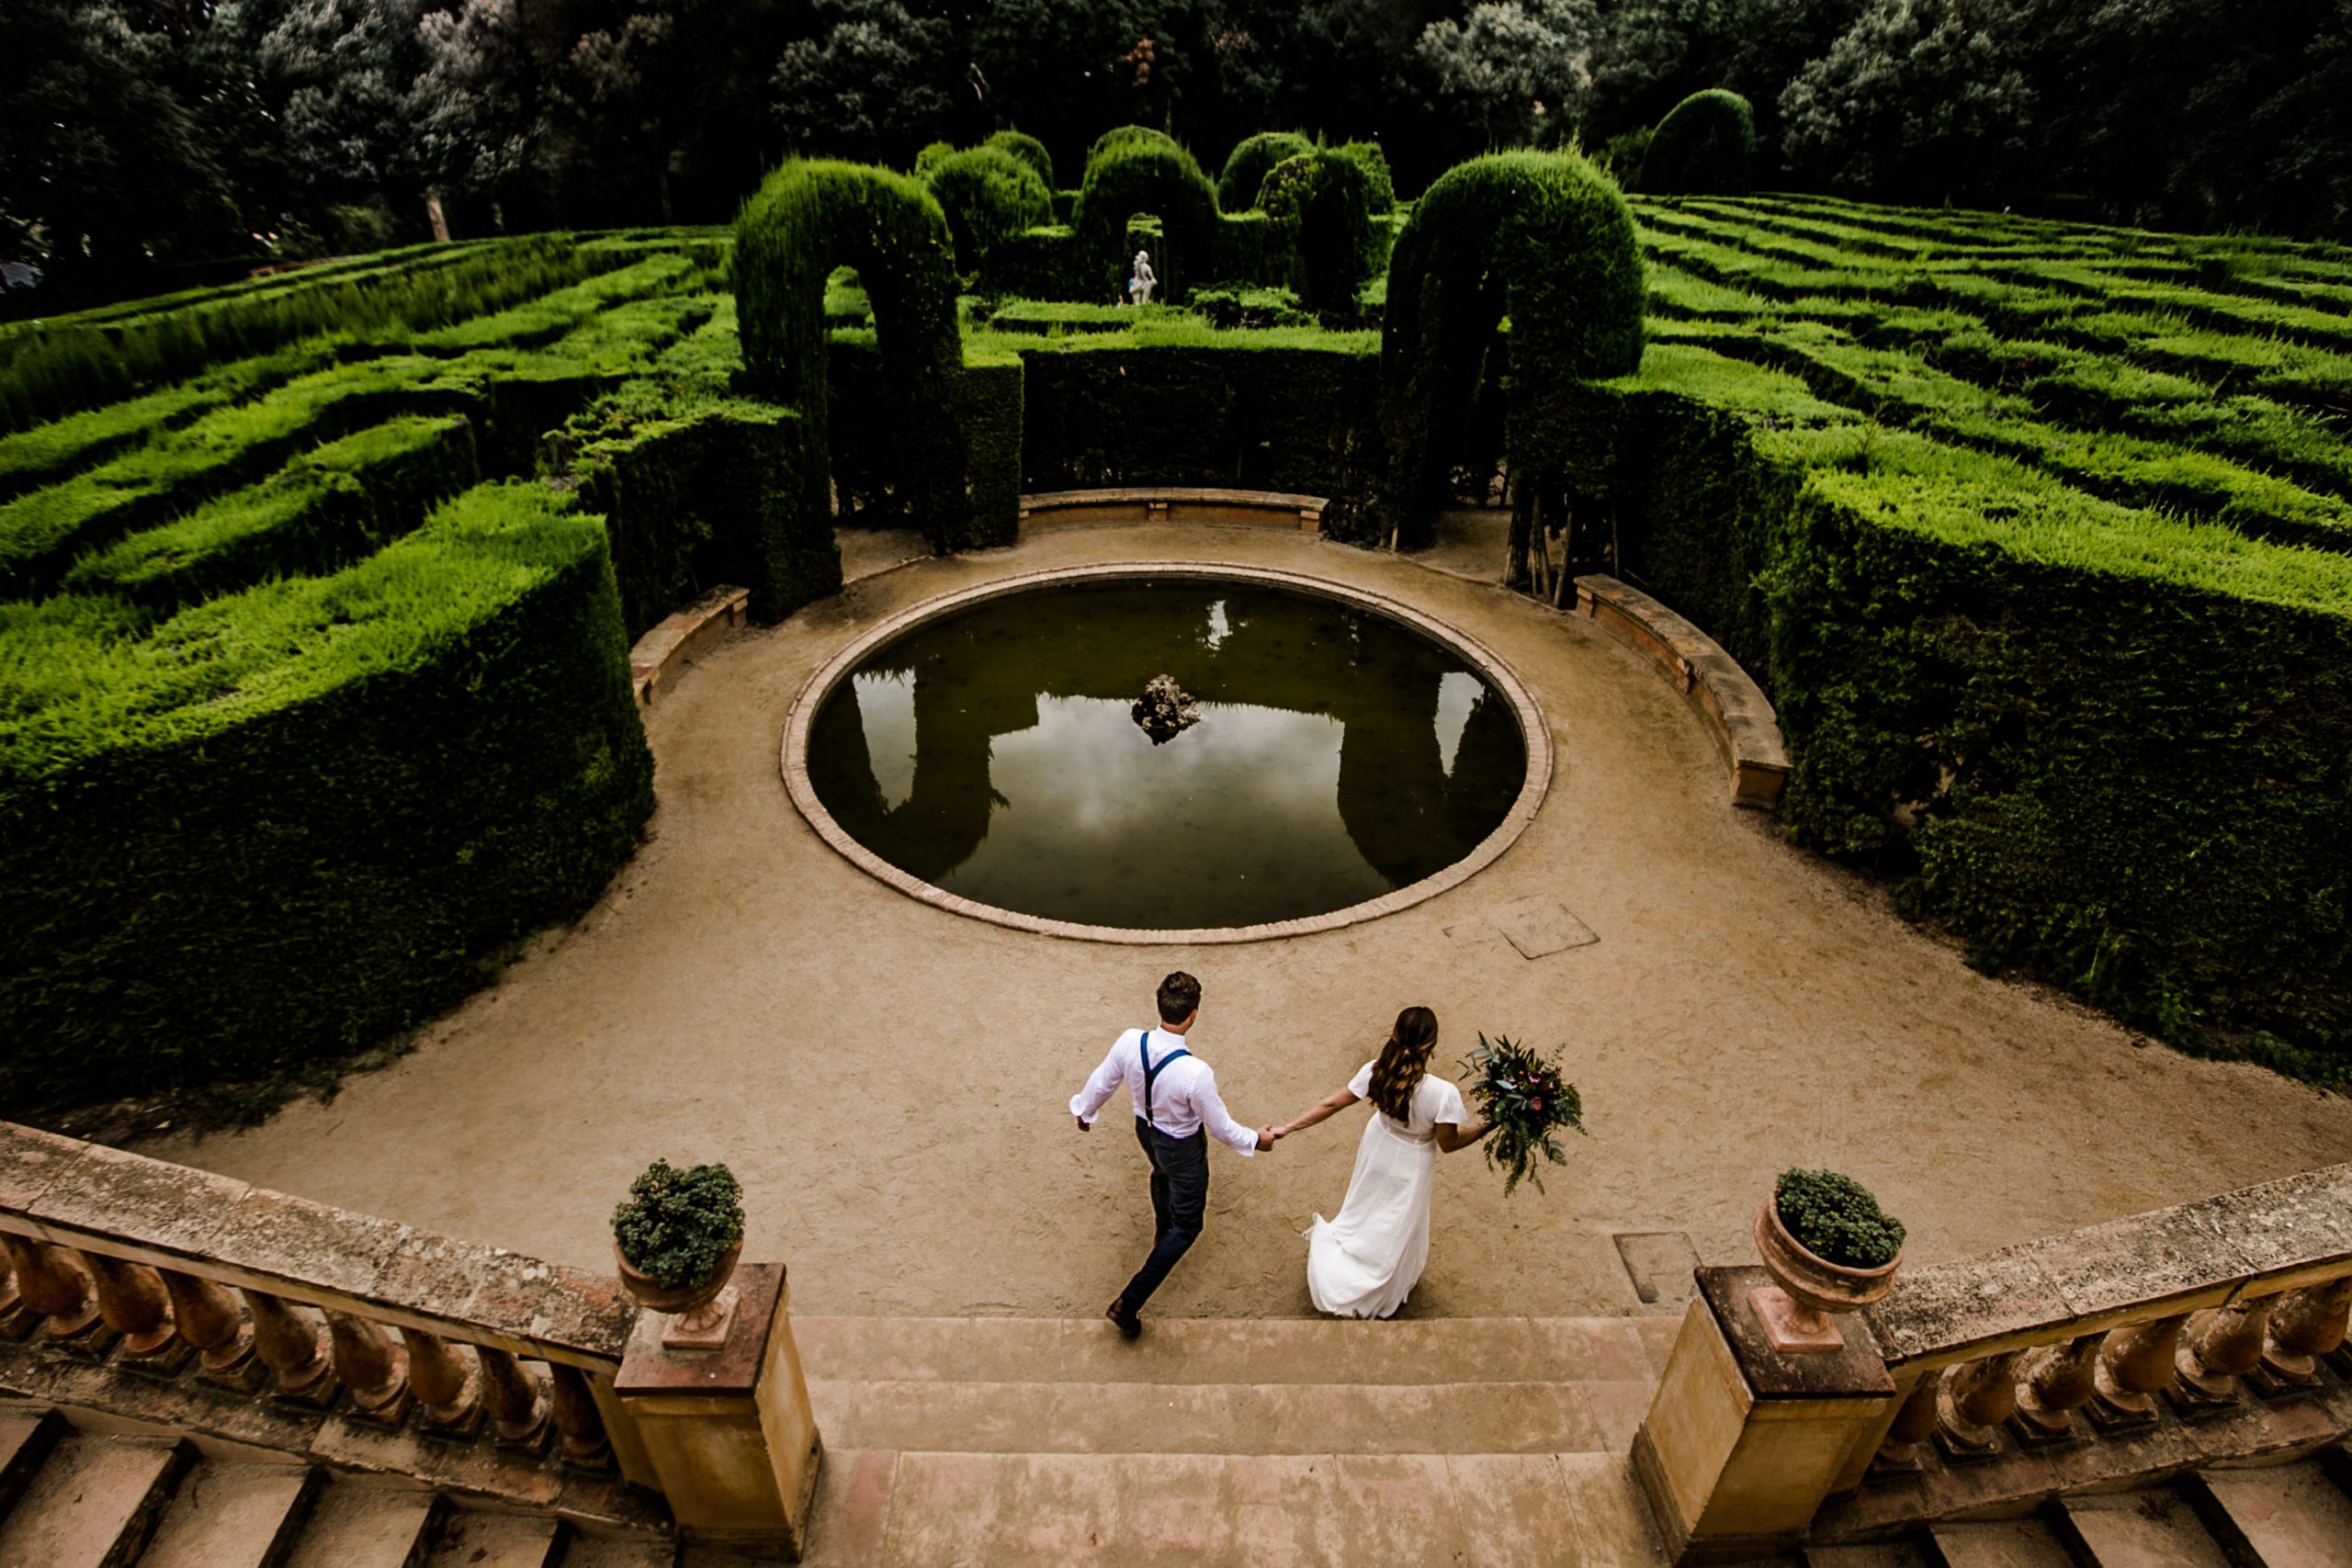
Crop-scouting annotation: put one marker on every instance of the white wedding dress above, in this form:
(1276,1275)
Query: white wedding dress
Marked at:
(1366,1262)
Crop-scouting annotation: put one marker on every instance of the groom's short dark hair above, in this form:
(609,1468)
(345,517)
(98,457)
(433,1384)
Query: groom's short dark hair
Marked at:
(1180,997)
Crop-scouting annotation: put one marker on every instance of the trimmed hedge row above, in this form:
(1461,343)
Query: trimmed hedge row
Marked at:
(989,195)
(1322,205)
(1544,238)
(1143,175)
(292,819)
(1251,160)
(1704,146)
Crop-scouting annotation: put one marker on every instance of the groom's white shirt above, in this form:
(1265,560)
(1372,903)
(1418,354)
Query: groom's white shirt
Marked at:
(1183,1095)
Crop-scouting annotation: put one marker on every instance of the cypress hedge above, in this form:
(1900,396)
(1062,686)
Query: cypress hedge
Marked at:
(807,218)
(1139,175)
(1252,158)
(1322,204)
(1543,237)
(1379,184)
(989,195)
(1704,146)
(1028,149)
(280,824)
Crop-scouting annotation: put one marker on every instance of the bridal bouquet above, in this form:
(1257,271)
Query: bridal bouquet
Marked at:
(1521,1092)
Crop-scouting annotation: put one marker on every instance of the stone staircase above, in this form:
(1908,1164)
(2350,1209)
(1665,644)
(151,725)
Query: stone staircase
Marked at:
(2288,1516)
(1017,1441)
(71,1497)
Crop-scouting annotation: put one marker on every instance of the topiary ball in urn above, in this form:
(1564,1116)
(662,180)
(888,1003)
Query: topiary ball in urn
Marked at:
(676,1238)
(1830,1248)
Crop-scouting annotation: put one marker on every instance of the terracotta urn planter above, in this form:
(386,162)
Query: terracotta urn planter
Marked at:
(1797,1308)
(700,1314)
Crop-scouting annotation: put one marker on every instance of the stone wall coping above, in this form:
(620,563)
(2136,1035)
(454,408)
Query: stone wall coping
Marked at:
(1739,715)
(149,1210)
(679,633)
(2276,1236)
(1146,495)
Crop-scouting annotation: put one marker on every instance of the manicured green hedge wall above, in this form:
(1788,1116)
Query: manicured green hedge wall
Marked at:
(1142,175)
(1029,149)
(809,218)
(1380,185)
(1544,238)
(990,195)
(1321,203)
(287,821)
(1252,158)
(1705,146)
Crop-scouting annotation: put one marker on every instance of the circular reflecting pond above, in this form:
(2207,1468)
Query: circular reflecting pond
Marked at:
(1303,754)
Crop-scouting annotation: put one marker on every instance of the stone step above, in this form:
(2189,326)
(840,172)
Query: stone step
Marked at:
(93,1503)
(1238,1350)
(1999,1544)
(1874,1554)
(354,1525)
(1231,1418)
(2152,1529)
(473,1540)
(601,1552)
(2292,1515)
(232,1514)
(27,1434)
(1031,1510)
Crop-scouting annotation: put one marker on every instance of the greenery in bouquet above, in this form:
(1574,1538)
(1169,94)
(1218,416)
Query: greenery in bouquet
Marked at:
(1521,1092)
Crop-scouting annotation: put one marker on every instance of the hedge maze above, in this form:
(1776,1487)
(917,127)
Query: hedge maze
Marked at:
(315,591)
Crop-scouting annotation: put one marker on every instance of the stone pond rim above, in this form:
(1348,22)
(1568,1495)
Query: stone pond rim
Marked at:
(1534,732)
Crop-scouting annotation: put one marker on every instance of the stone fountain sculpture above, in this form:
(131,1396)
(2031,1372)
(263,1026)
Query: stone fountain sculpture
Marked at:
(1165,710)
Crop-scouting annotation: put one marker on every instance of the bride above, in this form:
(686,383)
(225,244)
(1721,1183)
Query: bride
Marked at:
(1366,1262)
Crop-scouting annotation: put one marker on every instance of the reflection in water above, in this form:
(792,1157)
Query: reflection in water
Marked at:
(1338,756)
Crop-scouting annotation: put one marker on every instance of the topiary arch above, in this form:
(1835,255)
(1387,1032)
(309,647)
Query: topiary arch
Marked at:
(1144,174)
(1324,204)
(1251,160)
(809,218)
(1543,237)
(1705,146)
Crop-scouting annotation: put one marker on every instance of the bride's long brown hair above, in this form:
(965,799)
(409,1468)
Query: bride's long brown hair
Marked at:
(1404,1061)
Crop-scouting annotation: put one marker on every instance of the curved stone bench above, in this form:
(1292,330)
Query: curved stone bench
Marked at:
(679,635)
(1739,714)
(1260,508)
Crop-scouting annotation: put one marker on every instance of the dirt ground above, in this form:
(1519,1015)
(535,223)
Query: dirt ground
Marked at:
(889,1081)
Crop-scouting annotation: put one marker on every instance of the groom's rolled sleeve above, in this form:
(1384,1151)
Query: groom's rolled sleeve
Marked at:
(1087,1102)
(1219,1121)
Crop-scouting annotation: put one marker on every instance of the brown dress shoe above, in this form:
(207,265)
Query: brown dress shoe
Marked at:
(1130,1323)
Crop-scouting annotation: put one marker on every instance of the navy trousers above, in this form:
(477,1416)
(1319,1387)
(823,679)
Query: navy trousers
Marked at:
(1180,1198)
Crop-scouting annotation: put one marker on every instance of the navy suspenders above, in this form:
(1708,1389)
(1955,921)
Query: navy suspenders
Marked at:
(1151,1072)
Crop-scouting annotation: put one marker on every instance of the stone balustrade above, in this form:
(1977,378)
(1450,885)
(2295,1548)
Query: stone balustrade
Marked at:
(157,1293)
(2210,1333)
(1254,508)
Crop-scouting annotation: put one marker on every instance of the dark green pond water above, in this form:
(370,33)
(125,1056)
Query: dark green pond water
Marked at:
(1338,755)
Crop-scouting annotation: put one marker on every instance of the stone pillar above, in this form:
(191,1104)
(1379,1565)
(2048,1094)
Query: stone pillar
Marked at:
(2308,1325)
(729,1432)
(2136,1364)
(1914,1425)
(293,1347)
(1743,1443)
(2227,1345)
(518,1415)
(208,1319)
(2062,1379)
(446,1384)
(133,1301)
(52,1283)
(1977,1398)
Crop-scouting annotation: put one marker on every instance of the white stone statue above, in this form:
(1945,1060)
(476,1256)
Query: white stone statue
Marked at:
(1140,286)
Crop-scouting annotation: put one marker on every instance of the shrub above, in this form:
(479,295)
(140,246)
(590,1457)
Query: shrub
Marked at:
(1323,203)
(676,1226)
(1543,237)
(1157,177)
(1120,137)
(1836,1218)
(1379,185)
(292,819)
(1252,159)
(933,154)
(989,195)
(807,218)
(1028,149)
(1704,146)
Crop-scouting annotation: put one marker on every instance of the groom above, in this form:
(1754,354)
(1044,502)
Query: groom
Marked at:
(1177,1109)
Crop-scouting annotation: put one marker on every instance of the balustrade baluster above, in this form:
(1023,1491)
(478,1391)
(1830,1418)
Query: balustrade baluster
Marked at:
(2062,1381)
(371,1364)
(518,1415)
(52,1283)
(2305,1325)
(576,1416)
(2136,1364)
(444,1382)
(1977,1399)
(2227,1345)
(133,1301)
(1913,1423)
(293,1347)
(208,1318)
